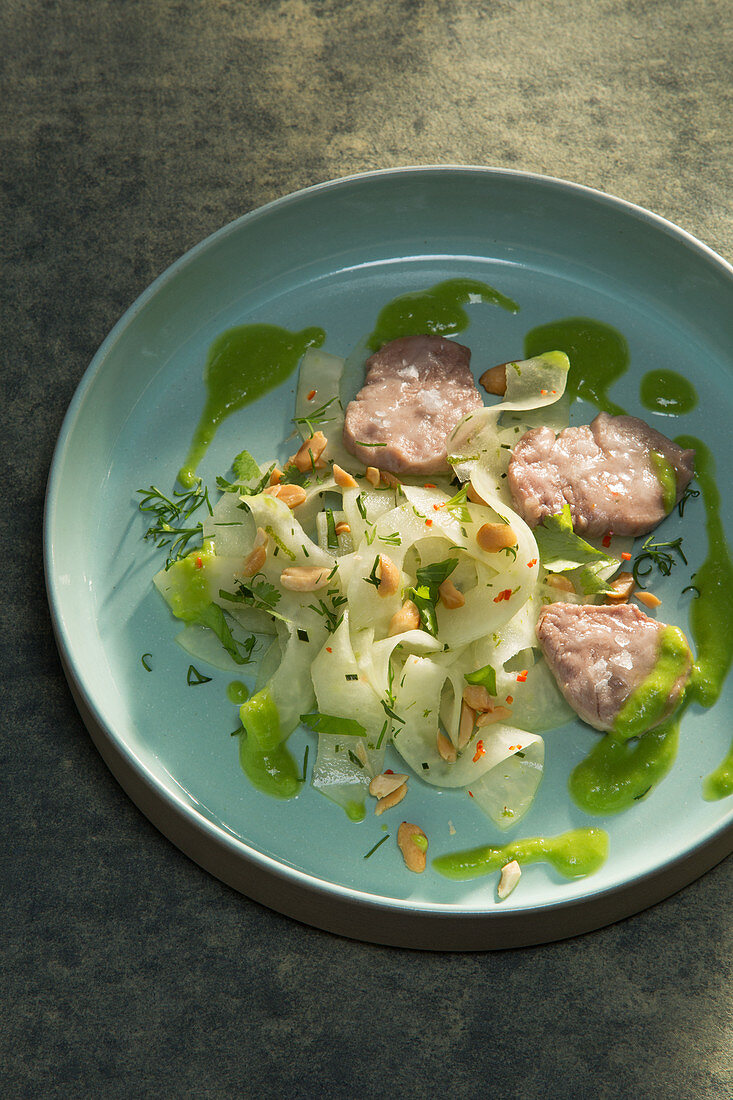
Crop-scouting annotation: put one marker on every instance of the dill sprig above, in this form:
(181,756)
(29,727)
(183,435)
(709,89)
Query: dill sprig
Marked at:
(317,417)
(171,526)
(659,554)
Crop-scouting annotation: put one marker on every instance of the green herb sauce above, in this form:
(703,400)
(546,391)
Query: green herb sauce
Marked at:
(617,773)
(237,692)
(574,854)
(243,364)
(666,392)
(598,353)
(274,772)
(437,310)
(648,703)
(719,784)
(711,615)
(667,478)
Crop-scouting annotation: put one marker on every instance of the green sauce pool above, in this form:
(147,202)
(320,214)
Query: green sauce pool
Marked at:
(437,310)
(243,363)
(617,773)
(575,854)
(667,392)
(598,353)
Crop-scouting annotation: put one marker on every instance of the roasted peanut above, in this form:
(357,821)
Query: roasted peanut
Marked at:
(310,451)
(494,379)
(372,475)
(407,618)
(510,875)
(304,578)
(414,846)
(390,799)
(446,748)
(477,697)
(389,576)
(450,596)
(384,784)
(493,537)
(342,478)
(465,727)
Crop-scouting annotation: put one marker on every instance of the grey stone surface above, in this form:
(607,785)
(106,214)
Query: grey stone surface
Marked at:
(130,131)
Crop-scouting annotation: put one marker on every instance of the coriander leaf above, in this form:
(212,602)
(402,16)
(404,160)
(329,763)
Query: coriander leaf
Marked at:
(213,617)
(562,551)
(245,468)
(331,724)
(426,592)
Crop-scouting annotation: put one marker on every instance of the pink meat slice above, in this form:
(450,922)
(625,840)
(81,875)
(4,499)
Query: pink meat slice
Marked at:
(604,471)
(599,654)
(417,388)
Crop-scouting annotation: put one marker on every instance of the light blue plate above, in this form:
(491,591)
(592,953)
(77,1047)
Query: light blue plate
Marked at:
(333,255)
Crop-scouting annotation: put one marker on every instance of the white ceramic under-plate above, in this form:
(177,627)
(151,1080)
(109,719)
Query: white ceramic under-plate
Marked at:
(332,255)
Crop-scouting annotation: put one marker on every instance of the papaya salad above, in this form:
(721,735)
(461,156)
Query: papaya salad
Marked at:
(391,611)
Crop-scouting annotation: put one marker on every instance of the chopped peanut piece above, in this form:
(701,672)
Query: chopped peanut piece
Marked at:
(310,451)
(292,495)
(304,578)
(510,875)
(362,753)
(450,596)
(623,585)
(465,727)
(474,496)
(446,748)
(373,475)
(384,784)
(493,537)
(390,800)
(488,718)
(254,561)
(343,479)
(648,599)
(342,528)
(389,479)
(477,697)
(494,379)
(276,476)
(407,618)
(389,576)
(414,845)
(562,584)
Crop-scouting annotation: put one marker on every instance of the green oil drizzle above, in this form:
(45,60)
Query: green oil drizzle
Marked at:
(666,392)
(648,703)
(711,615)
(617,773)
(437,310)
(719,784)
(273,772)
(599,355)
(237,692)
(667,478)
(574,854)
(243,364)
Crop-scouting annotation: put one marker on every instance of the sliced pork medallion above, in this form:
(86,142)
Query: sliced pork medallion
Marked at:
(617,668)
(617,474)
(417,388)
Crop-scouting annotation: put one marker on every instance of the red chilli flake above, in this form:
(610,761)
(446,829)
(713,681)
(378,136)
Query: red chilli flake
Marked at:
(626,556)
(428,523)
(388,771)
(510,699)
(328,649)
(543,393)
(199,563)
(429,485)
(480,750)
(311,395)
(522,676)
(471,794)
(606,541)
(505,594)
(437,507)
(531,563)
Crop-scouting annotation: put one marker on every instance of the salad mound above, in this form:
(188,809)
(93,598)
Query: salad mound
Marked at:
(395,612)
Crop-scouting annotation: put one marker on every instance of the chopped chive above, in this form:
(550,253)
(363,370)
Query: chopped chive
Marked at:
(303,634)
(361,443)
(355,759)
(305,762)
(144,661)
(351,676)
(194,677)
(379,842)
(382,733)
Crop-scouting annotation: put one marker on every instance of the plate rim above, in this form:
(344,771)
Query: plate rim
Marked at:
(174,813)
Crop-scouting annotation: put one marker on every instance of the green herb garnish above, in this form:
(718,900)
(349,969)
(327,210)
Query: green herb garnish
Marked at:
(659,554)
(171,526)
(332,724)
(194,677)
